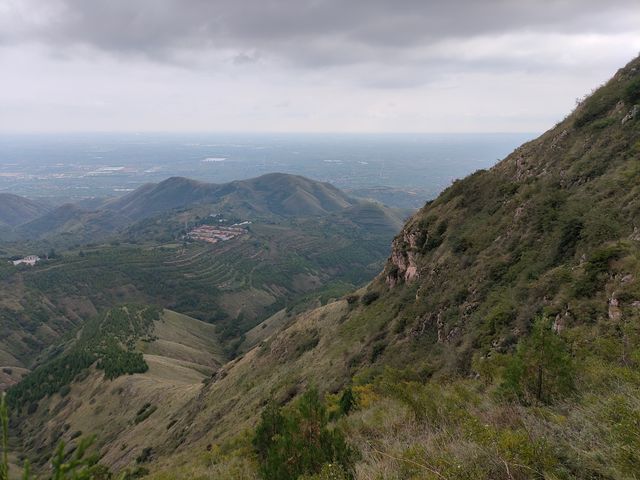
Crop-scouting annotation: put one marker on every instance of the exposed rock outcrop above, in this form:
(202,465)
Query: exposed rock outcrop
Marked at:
(403,265)
(615,312)
(632,114)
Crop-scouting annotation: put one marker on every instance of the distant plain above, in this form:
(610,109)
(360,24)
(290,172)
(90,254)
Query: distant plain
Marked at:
(399,170)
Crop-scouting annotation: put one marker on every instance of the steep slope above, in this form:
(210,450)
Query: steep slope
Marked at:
(550,232)
(276,194)
(179,352)
(15,210)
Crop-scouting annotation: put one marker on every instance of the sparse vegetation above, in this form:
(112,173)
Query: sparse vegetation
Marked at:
(75,463)
(370,297)
(108,340)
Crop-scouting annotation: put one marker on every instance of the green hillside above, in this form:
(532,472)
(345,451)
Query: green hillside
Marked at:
(125,374)
(279,261)
(16,210)
(74,222)
(273,194)
(163,210)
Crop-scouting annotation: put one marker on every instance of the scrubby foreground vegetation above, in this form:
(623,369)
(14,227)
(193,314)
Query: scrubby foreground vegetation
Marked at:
(551,409)
(501,341)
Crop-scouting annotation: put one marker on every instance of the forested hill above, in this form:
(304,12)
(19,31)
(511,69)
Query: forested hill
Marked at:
(179,201)
(274,193)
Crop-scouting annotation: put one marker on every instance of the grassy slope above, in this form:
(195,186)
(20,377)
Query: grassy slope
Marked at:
(16,210)
(74,222)
(183,353)
(550,230)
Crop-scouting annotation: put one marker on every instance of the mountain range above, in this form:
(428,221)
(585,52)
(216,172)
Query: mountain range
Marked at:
(300,239)
(271,195)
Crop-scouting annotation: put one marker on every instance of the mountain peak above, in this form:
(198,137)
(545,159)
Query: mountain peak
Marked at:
(273,193)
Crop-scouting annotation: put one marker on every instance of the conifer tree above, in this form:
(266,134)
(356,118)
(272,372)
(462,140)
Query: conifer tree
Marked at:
(542,368)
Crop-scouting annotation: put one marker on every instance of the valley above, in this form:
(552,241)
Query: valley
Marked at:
(279,260)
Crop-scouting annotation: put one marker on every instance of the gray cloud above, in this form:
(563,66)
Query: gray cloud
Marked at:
(306,33)
(347,65)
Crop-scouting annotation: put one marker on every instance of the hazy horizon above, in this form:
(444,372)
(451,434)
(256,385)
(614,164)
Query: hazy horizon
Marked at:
(73,167)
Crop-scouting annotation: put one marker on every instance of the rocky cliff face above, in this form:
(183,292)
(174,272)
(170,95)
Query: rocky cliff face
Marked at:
(402,265)
(550,230)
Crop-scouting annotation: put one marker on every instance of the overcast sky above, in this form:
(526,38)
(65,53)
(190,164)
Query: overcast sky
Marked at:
(306,65)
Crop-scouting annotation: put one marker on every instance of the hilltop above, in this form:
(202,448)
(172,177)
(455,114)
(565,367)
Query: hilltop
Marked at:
(271,197)
(275,194)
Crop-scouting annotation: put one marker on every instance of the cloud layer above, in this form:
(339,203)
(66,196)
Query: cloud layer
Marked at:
(353,57)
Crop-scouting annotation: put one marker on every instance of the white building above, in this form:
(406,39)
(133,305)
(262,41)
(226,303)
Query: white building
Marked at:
(30,260)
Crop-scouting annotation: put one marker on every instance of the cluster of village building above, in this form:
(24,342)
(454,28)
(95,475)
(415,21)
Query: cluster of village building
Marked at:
(205,233)
(215,234)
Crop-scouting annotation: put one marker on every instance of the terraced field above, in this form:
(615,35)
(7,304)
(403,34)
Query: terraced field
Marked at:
(234,284)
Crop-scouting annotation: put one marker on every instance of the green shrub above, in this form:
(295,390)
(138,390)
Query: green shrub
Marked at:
(145,412)
(298,441)
(377,349)
(596,106)
(569,237)
(632,92)
(595,270)
(370,297)
(145,456)
(460,245)
(603,123)
(352,299)
(347,401)
(542,368)
(330,471)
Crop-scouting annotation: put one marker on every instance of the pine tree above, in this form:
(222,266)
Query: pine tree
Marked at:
(297,441)
(542,368)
